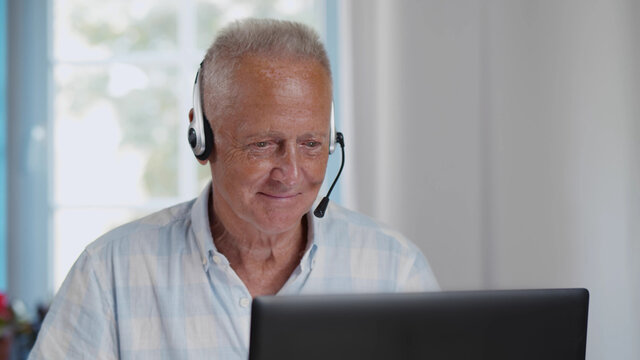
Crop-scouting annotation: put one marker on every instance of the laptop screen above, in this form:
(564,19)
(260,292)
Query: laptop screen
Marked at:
(506,324)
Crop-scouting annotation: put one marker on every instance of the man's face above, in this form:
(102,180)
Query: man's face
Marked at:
(271,144)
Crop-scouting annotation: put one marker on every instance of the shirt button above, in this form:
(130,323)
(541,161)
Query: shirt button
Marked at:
(313,262)
(216,259)
(244,302)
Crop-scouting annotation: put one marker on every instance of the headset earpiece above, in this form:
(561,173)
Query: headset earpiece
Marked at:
(332,132)
(199,134)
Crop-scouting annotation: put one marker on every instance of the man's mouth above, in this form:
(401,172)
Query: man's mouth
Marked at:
(277,196)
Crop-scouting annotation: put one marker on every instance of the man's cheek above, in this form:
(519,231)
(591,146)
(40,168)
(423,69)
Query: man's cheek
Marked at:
(317,172)
(242,176)
(254,169)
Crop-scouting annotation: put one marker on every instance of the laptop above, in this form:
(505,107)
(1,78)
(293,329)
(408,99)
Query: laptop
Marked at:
(544,324)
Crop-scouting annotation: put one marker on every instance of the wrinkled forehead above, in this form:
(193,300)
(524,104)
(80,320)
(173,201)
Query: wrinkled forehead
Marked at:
(268,76)
(271,86)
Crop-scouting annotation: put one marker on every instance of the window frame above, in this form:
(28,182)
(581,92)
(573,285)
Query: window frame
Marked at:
(31,202)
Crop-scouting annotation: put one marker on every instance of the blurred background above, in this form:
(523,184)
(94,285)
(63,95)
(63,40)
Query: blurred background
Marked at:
(502,136)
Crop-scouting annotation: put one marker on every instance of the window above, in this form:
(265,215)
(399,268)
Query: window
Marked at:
(3,153)
(122,78)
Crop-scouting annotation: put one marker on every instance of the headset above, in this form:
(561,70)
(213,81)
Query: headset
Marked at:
(200,137)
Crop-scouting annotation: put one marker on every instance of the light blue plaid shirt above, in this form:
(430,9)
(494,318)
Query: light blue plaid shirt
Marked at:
(157,288)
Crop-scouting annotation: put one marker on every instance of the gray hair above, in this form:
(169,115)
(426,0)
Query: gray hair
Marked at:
(264,37)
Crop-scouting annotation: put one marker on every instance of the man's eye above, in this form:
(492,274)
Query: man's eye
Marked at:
(312,144)
(261,144)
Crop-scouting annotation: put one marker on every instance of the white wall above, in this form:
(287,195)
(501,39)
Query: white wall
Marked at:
(417,151)
(503,137)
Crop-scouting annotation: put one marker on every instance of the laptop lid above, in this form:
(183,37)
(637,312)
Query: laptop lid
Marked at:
(506,324)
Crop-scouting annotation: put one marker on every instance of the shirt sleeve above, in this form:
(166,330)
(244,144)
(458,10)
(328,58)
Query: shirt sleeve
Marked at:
(419,277)
(80,323)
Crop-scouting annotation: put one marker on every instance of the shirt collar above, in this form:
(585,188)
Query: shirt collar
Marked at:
(307,261)
(200,226)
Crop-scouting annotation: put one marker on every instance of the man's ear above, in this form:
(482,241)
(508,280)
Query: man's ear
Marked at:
(202,162)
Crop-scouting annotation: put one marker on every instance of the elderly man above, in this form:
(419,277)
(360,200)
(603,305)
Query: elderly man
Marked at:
(178,284)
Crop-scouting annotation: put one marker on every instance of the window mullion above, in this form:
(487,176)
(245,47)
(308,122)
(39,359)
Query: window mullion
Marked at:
(187,34)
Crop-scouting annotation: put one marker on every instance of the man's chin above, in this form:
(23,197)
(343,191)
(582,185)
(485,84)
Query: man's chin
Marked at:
(277,221)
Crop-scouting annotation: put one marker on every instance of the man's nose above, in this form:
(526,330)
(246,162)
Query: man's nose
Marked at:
(286,169)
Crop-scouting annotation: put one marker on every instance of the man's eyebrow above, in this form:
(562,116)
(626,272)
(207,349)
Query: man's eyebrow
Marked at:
(269,133)
(259,134)
(314,134)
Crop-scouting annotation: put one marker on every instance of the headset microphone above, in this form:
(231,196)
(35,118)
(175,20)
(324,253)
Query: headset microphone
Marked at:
(322,207)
